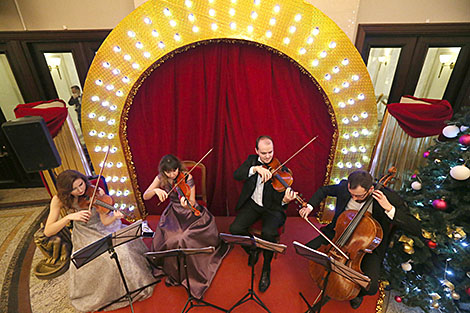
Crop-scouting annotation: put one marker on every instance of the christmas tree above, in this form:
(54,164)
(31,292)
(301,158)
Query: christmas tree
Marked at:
(433,271)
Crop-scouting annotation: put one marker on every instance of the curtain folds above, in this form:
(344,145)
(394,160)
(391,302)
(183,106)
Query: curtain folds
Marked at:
(223,96)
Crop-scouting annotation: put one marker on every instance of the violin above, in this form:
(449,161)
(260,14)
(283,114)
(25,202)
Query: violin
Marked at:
(356,233)
(183,190)
(102,203)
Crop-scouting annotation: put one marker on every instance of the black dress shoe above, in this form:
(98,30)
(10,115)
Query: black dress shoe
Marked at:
(265,280)
(356,302)
(253,258)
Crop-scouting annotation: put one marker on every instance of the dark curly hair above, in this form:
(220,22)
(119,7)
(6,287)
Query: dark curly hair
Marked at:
(65,186)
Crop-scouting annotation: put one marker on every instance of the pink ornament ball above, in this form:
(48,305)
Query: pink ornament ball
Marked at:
(465,140)
(398,299)
(426,154)
(413,176)
(432,244)
(439,204)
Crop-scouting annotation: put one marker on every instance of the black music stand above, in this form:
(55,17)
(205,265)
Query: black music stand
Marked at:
(331,265)
(181,254)
(108,243)
(253,243)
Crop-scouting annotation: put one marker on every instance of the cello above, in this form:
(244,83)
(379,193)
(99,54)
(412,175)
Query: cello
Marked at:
(356,233)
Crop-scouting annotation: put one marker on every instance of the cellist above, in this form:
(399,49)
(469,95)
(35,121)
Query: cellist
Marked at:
(387,208)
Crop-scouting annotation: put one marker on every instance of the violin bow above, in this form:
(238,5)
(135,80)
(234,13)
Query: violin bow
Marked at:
(298,151)
(98,180)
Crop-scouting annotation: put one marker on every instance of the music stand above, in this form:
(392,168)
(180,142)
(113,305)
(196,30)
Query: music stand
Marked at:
(108,243)
(331,265)
(253,243)
(181,254)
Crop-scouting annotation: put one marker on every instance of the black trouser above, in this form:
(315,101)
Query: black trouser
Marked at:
(249,214)
(370,266)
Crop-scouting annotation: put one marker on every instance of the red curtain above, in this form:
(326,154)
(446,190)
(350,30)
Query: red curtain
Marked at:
(223,96)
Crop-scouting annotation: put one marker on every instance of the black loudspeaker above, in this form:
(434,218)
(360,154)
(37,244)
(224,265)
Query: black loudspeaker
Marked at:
(32,143)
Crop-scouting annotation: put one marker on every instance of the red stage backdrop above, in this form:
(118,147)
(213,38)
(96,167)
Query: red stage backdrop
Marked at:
(223,96)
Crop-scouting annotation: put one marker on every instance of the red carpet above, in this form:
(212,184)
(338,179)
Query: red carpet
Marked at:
(289,276)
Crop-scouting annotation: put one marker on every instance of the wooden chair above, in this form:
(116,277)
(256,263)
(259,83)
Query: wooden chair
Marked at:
(199,177)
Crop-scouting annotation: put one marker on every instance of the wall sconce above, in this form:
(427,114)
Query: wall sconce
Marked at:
(53,64)
(445,60)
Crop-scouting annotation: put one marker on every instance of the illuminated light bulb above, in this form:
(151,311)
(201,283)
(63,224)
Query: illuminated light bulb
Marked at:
(257,2)
(131,34)
(106,64)
(231,11)
(212,12)
(269,34)
(365,158)
(214,26)
(161,45)
(127,57)
(272,21)
(123,206)
(286,41)
(345,62)
(139,45)
(353,149)
(191,17)
(351,101)
(113,107)
(97,149)
(195,29)
(340,164)
(233,25)
(154,33)
(101,164)
(92,133)
(92,115)
(101,134)
(147,21)
(102,118)
(126,193)
(315,31)
(233,1)
(365,132)
(108,178)
(254,15)
(188,3)
(346,136)
(110,87)
(116,71)
(345,120)
(362,149)
(298,17)
(167,12)
(310,40)
(323,54)
(119,164)
(361,96)
(331,206)
(113,150)
(332,45)
(355,133)
(105,149)
(355,118)
(110,136)
(117,49)
(95,98)
(302,51)
(292,29)
(119,93)
(118,194)
(116,205)
(111,193)
(355,77)
(135,66)
(110,164)
(348,164)
(342,105)
(358,165)
(364,115)
(123,179)
(131,208)
(315,63)
(147,54)
(249,28)
(111,121)
(115,179)
(327,76)
(335,69)
(336,90)
(99,82)
(172,23)
(345,85)
(277,8)
(344,151)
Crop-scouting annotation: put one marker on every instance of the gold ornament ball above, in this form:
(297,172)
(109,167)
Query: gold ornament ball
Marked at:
(455,296)
(435,305)
(408,249)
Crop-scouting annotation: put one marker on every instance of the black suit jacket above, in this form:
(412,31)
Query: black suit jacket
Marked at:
(272,199)
(402,218)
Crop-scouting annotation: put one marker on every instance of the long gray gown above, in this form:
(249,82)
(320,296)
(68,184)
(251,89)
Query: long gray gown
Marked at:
(98,282)
(179,228)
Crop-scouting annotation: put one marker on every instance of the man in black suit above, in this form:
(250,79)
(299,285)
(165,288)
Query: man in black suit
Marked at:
(387,208)
(258,199)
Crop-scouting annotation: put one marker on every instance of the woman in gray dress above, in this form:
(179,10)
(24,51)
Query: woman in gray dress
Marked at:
(180,228)
(97,283)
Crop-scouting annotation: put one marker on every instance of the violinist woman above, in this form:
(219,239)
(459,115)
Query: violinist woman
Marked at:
(184,224)
(387,208)
(259,200)
(98,282)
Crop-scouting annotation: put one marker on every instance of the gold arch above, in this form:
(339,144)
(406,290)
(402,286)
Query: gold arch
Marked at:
(155,29)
